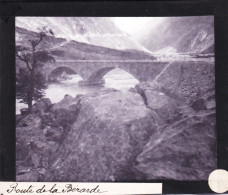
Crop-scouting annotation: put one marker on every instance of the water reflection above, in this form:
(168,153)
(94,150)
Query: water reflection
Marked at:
(119,79)
(116,78)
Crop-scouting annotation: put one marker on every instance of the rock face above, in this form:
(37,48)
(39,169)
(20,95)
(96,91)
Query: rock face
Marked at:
(111,129)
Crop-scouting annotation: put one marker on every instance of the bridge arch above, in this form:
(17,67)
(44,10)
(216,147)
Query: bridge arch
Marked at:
(97,77)
(57,71)
(99,74)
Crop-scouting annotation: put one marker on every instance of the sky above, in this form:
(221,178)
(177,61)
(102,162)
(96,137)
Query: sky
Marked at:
(135,25)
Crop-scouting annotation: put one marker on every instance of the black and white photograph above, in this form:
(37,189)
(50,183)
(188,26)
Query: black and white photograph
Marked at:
(115,99)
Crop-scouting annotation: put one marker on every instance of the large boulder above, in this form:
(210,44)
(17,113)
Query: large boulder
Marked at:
(66,111)
(166,103)
(62,115)
(42,106)
(110,132)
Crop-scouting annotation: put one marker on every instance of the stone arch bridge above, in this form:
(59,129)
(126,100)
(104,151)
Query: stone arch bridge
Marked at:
(92,71)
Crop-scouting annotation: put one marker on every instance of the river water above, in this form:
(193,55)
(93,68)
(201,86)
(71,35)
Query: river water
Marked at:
(116,78)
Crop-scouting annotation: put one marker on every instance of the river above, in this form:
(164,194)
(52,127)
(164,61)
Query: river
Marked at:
(116,78)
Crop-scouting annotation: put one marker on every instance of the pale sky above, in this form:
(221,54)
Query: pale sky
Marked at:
(136,25)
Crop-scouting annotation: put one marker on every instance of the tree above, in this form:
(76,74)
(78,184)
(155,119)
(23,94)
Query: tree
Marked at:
(30,82)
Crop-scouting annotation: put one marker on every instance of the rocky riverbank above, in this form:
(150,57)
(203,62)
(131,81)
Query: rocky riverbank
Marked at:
(163,129)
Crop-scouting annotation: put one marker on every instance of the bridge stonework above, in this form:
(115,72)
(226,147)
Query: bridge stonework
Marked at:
(92,71)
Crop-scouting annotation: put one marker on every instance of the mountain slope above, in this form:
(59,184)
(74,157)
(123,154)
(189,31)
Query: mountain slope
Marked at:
(98,31)
(63,49)
(181,35)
